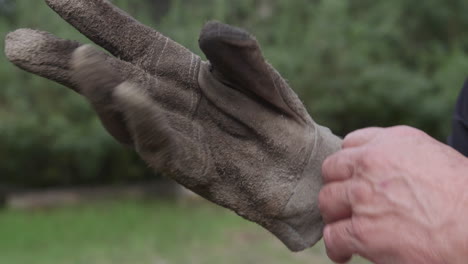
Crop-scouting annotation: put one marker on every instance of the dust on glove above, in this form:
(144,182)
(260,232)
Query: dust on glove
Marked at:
(230,128)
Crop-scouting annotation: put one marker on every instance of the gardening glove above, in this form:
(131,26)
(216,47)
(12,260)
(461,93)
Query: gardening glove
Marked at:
(230,128)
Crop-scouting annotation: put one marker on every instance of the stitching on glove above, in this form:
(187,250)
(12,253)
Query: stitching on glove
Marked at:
(277,78)
(313,151)
(162,53)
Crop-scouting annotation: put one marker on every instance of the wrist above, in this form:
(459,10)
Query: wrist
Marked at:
(454,246)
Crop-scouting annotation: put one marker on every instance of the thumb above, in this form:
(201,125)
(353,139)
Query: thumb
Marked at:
(237,62)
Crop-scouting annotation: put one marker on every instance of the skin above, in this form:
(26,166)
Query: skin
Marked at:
(395,195)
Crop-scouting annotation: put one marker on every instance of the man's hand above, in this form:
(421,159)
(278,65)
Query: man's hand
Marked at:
(230,129)
(396,196)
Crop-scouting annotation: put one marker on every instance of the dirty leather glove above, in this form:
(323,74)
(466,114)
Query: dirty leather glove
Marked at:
(230,129)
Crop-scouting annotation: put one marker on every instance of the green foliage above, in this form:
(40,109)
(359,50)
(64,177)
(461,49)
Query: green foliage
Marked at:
(354,63)
(138,232)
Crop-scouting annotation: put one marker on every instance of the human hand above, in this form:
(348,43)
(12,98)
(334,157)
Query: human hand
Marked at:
(230,129)
(395,196)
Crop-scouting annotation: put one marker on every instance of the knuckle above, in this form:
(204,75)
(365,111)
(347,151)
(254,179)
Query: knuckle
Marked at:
(359,193)
(337,167)
(368,159)
(407,131)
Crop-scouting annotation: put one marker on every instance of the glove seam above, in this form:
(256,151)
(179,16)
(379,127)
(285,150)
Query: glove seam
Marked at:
(282,86)
(304,165)
(296,242)
(197,92)
(292,228)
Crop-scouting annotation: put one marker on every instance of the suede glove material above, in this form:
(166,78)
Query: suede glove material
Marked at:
(230,128)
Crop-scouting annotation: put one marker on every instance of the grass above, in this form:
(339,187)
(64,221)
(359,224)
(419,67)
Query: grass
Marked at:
(141,232)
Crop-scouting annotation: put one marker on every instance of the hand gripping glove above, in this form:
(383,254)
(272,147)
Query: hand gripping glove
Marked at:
(230,129)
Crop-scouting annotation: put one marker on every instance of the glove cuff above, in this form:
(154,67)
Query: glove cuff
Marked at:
(300,225)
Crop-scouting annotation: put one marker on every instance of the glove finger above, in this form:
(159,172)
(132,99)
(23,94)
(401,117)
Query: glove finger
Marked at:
(238,62)
(149,127)
(96,80)
(164,148)
(126,38)
(44,54)
(41,53)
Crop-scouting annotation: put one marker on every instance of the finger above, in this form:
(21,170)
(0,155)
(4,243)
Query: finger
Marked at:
(149,127)
(237,61)
(94,76)
(44,54)
(96,80)
(334,202)
(340,241)
(339,166)
(126,38)
(41,53)
(163,147)
(361,137)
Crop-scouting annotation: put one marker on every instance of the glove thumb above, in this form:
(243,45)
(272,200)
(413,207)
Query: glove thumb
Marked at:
(237,61)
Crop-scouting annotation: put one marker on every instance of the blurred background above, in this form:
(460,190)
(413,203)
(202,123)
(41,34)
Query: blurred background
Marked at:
(72,195)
